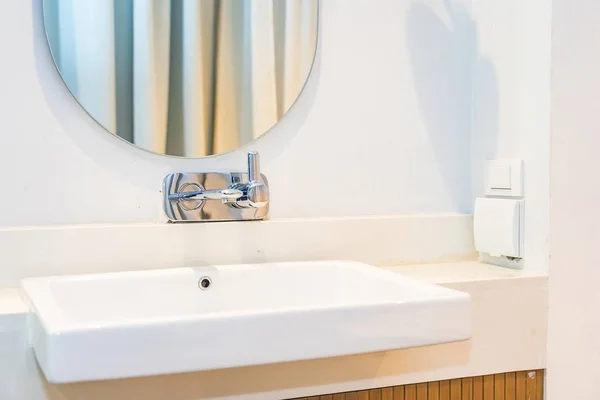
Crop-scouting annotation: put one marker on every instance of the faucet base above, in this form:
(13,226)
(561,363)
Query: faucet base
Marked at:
(184,210)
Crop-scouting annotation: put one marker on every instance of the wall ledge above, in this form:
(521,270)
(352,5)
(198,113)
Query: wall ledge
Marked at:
(377,240)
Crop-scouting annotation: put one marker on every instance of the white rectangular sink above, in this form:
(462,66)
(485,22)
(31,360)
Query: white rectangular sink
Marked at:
(118,325)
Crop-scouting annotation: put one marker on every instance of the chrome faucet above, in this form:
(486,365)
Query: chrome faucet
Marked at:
(190,196)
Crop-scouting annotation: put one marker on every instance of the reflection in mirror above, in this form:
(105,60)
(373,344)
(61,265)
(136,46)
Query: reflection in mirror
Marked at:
(184,77)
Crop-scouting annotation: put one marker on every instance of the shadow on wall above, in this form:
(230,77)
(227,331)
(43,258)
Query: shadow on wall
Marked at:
(457,91)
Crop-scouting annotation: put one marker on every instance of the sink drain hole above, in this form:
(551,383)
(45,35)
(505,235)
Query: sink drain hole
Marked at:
(205,283)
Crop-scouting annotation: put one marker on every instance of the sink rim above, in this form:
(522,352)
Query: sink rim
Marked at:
(49,314)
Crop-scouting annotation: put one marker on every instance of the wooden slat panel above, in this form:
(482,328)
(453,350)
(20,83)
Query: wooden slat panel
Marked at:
(540,385)
(363,395)
(510,386)
(410,392)
(387,393)
(499,386)
(488,387)
(399,393)
(433,391)
(421,391)
(444,390)
(478,388)
(521,385)
(455,389)
(467,388)
(531,386)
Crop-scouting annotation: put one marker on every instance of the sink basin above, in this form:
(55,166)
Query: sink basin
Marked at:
(118,325)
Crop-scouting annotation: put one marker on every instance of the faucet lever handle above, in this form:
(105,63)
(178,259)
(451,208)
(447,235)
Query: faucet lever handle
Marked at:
(257,192)
(253,167)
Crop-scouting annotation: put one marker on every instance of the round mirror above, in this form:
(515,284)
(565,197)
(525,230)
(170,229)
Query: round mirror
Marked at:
(185,78)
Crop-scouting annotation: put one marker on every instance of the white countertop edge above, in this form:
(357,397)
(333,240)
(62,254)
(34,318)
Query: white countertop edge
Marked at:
(277,221)
(464,271)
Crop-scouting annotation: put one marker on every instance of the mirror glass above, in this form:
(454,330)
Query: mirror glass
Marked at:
(186,78)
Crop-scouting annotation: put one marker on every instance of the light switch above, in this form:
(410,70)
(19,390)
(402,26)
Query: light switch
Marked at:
(504,178)
(498,227)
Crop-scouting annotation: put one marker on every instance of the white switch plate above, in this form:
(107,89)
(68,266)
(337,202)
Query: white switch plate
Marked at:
(504,178)
(499,177)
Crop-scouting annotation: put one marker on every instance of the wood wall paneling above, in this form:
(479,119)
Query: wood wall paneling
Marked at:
(522,385)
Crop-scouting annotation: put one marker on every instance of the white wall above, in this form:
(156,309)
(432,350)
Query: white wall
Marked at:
(574,299)
(406,101)
(511,105)
(383,124)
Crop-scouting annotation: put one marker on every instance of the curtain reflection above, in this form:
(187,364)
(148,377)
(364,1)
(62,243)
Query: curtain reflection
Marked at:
(214,74)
